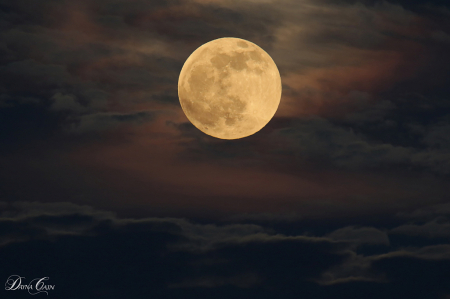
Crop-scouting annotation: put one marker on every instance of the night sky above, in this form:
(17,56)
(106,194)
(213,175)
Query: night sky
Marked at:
(107,188)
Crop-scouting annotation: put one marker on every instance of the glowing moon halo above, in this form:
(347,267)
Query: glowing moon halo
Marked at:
(229,88)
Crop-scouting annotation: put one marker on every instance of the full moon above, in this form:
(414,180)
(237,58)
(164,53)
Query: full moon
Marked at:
(229,88)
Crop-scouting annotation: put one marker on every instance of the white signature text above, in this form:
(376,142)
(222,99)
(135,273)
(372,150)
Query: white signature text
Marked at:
(36,286)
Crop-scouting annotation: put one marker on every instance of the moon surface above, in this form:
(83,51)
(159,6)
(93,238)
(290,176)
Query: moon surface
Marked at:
(229,88)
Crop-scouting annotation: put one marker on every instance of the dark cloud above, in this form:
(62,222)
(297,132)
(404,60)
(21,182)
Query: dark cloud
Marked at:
(437,136)
(89,113)
(103,121)
(356,87)
(342,147)
(246,280)
(353,144)
(234,251)
(361,235)
(427,212)
(430,222)
(34,75)
(432,229)
(176,255)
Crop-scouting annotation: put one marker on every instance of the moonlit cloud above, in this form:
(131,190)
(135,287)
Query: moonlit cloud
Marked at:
(345,254)
(343,194)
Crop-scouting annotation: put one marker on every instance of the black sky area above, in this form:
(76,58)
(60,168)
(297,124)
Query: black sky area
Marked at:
(108,190)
